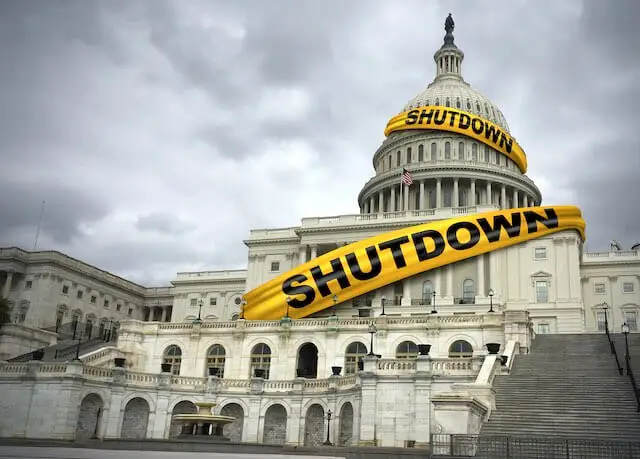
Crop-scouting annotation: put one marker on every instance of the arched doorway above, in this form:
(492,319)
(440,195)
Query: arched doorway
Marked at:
(135,419)
(275,425)
(314,430)
(183,407)
(234,430)
(345,434)
(89,417)
(307,361)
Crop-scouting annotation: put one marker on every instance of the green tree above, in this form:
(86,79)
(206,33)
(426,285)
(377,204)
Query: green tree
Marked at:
(4,311)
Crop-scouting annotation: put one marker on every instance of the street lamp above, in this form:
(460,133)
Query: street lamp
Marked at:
(433,304)
(199,310)
(605,308)
(335,302)
(372,331)
(383,301)
(328,442)
(627,356)
(491,300)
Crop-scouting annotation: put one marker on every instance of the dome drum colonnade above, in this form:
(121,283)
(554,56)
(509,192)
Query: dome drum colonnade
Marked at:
(448,170)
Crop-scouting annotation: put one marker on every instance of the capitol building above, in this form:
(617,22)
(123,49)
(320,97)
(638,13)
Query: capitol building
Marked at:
(121,360)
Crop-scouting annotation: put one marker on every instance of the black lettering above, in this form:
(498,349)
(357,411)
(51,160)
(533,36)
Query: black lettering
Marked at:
(465,121)
(356,269)
(500,222)
(453,118)
(493,133)
(477,125)
(421,248)
(440,121)
(550,220)
(424,114)
(506,142)
(289,289)
(396,250)
(452,235)
(323,279)
(412,117)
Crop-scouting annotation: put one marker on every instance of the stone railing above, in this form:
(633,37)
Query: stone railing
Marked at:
(353,324)
(439,366)
(12,371)
(614,256)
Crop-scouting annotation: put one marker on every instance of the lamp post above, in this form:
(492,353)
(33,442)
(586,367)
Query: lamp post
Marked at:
(335,302)
(627,357)
(286,312)
(328,442)
(372,331)
(605,308)
(491,300)
(199,310)
(433,304)
(383,299)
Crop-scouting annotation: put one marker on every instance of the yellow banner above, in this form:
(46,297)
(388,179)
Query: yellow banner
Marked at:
(367,265)
(461,122)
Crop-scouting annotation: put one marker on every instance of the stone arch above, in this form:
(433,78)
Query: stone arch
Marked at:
(406,349)
(353,352)
(216,359)
(403,338)
(145,396)
(234,430)
(260,358)
(135,419)
(314,425)
(345,425)
(275,425)
(266,340)
(307,361)
(460,349)
(89,416)
(172,355)
(463,337)
(181,407)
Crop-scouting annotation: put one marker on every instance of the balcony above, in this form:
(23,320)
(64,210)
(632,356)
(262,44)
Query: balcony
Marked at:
(622,256)
(410,216)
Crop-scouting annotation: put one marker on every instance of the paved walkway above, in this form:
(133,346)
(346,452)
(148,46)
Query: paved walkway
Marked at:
(29,452)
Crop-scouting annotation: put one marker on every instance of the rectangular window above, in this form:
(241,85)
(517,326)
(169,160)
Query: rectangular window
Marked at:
(275,266)
(543,329)
(28,284)
(106,303)
(130,312)
(65,289)
(79,294)
(542,292)
(600,315)
(627,287)
(398,159)
(540,253)
(213,301)
(631,318)
(193,302)
(118,307)
(93,299)
(599,288)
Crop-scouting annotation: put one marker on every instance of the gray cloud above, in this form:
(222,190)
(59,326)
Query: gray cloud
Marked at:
(160,132)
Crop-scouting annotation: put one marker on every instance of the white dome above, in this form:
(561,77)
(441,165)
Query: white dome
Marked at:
(456,93)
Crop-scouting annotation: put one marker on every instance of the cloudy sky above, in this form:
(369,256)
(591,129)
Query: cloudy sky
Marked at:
(160,132)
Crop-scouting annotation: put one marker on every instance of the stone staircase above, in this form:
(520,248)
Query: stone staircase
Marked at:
(567,387)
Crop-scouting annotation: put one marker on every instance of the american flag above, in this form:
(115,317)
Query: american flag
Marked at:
(406,177)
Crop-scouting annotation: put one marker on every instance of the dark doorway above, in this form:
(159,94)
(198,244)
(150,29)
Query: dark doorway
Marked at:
(307,361)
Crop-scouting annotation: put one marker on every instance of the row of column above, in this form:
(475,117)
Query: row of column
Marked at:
(393,202)
(158,313)
(7,284)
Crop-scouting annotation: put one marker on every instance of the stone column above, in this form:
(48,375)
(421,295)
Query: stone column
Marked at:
(365,208)
(406,293)
(314,251)
(489,201)
(438,193)
(302,256)
(164,314)
(450,281)
(368,381)
(472,190)
(515,198)
(381,201)
(438,282)
(455,201)
(405,196)
(421,195)
(372,204)
(480,275)
(526,201)
(503,196)
(421,429)
(7,284)
(392,202)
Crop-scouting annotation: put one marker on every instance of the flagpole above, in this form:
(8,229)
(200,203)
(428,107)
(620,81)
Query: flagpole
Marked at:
(35,244)
(401,187)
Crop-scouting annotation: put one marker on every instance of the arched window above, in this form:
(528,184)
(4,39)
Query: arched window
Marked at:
(235,317)
(447,150)
(389,162)
(173,356)
(398,158)
(434,151)
(260,359)
(420,153)
(474,152)
(407,350)
(355,351)
(409,155)
(468,291)
(437,101)
(427,292)
(460,349)
(458,102)
(461,155)
(468,104)
(216,357)
(447,103)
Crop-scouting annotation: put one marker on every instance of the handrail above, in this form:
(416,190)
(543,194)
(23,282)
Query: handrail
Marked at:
(632,378)
(613,350)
